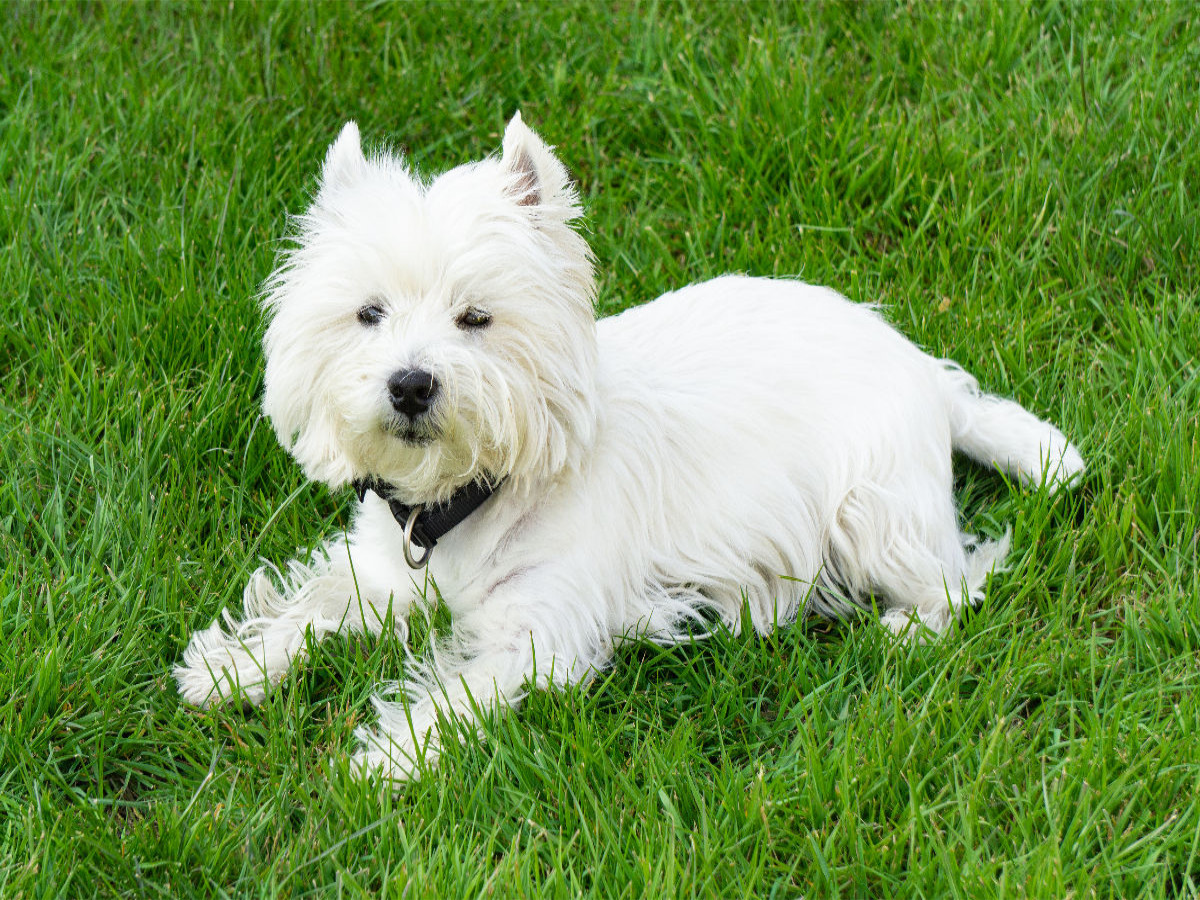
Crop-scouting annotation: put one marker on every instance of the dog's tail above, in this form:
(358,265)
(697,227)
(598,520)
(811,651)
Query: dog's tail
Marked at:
(1004,435)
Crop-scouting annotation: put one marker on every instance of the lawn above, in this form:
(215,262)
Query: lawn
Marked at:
(1015,184)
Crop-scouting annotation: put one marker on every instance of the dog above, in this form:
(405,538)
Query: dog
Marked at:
(743,446)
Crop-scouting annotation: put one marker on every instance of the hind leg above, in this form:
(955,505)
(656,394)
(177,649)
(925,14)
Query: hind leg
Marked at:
(900,545)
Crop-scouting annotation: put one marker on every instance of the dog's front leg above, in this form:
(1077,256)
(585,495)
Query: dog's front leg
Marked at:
(281,610)
(492,659)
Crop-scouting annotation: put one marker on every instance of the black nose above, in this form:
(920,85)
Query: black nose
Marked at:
(412,391)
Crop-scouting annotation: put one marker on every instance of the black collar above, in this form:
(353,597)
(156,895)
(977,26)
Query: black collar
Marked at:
(425,525)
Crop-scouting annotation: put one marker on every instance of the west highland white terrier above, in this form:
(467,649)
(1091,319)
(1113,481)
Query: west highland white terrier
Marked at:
(739,444)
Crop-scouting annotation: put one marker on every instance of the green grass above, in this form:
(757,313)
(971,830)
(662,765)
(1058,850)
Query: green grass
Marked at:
(1017,183)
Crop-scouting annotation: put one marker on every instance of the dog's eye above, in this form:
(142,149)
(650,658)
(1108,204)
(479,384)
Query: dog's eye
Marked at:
(372,314)
(474,318)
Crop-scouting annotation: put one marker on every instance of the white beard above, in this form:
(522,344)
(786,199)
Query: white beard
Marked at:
(739,444)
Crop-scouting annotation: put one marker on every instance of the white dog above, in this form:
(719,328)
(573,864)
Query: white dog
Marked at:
(742,443)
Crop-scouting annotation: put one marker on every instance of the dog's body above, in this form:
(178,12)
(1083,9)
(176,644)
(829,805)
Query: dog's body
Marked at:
(742,443)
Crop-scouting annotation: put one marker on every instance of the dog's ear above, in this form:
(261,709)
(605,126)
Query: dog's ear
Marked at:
(536,177)
(344,162)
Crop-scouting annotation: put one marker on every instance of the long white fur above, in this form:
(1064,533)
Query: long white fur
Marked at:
(738,442)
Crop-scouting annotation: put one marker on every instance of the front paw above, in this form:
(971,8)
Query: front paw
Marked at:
(397,759)
(217,668)
(1064,465)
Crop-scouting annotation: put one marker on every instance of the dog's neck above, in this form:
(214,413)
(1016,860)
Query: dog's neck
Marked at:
(425,525)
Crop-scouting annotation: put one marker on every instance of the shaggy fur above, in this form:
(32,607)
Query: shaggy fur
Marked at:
(739,443)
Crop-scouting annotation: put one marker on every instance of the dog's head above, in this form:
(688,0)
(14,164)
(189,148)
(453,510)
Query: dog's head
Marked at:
(432,332)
